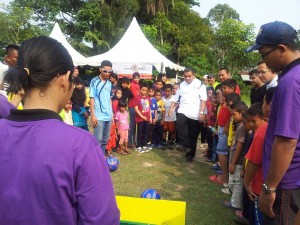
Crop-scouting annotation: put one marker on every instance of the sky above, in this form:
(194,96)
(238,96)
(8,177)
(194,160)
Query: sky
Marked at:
(258,12)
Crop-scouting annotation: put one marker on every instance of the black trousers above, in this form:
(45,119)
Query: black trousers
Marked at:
(188,131)
(142,133)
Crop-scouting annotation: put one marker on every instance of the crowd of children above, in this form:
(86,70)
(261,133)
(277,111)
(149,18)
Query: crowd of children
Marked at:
(148,126)
(235,140)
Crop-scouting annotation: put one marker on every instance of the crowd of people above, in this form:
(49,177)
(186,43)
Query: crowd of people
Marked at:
(255,149)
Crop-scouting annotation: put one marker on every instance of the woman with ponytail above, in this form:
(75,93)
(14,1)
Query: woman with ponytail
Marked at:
(50,172)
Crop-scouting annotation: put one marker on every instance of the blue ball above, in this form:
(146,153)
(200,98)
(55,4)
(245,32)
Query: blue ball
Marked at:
(112,163)
(150,193)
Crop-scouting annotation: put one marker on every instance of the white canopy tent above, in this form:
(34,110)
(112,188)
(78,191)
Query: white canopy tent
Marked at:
(78,59)
(134,48)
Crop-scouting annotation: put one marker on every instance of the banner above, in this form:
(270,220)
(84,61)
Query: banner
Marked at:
(126,70)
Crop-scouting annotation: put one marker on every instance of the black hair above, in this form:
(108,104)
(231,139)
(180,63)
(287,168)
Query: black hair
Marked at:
(209,89)
(168,86)
(231,83)
(106,63)
(157,91)
(159,81)
(269,95)
(135,74)
(239,106)
(40,60)
(151,88)
(78,80)
(253,72)
(224,68)
(218,87)
(124,80)
(255,110)
(114,75)
(233,97)
(161,75)
(11,48)
(214,93)
(122,103)
(189,69)
(144,85)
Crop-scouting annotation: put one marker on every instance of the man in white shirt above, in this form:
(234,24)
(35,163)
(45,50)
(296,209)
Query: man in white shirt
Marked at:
(192,102)
(266,75)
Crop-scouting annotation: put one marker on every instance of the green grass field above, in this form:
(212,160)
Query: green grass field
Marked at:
(175,179)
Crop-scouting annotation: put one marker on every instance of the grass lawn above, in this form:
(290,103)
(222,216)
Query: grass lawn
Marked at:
(175,179)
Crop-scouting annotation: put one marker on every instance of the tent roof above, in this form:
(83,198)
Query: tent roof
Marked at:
(135,48)
(78,59)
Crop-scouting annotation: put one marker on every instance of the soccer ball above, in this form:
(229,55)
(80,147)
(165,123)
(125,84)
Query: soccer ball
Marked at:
(112,163)
(150,193)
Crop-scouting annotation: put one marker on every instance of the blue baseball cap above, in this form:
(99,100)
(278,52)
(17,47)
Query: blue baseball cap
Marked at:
(274,33)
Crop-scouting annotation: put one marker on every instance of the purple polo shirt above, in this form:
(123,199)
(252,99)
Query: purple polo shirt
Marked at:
(52,173)
(284,121)
(5,106)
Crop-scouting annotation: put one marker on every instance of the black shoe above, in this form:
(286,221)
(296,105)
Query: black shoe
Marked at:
(189,158)
(171,145)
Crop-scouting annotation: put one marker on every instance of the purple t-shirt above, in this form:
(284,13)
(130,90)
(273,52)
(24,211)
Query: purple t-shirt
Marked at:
(284,121)
(5,106)
(52,173)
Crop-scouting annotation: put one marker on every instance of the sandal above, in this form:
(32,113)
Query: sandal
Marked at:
(127,151)
(122,152)
(214,178)
(228,205)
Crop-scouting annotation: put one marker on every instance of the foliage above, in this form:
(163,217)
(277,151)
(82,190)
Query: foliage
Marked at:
(221,12)
(231,39)
(17,25)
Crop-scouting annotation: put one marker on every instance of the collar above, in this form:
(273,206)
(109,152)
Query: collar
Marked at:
(27,115)
(289,66)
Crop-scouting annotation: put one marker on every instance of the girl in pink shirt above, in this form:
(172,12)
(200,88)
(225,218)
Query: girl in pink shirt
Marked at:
(123,127)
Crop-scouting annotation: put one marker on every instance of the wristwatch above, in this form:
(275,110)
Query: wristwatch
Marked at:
(201,112)
(267,190)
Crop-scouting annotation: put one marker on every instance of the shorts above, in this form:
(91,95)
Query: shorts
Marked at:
(169,126)
(222,146)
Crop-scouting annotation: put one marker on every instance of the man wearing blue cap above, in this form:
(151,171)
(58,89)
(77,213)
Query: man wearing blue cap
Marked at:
(280,197)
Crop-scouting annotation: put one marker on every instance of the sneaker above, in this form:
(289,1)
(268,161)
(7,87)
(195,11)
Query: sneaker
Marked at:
(149,147)
(226,191)
(225,185)
(171,145)
(138,149)
(180,148)
(159,146)
(146,149)
(164,146)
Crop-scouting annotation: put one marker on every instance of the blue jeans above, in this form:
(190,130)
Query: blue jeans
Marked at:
(132,127)
(102,133)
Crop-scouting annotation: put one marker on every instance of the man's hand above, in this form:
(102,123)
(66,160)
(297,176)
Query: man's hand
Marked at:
(250,193)
(201,118)
(94,121)
(266,202)
(226,130)
(231,168)
(144,118)
(162,122)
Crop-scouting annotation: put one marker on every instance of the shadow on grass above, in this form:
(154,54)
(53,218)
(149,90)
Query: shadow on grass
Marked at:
(175,179)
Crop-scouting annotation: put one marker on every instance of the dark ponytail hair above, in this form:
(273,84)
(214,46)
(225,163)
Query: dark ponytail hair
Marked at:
(40,60)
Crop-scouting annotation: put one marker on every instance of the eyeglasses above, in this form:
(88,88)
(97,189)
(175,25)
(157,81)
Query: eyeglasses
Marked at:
(263,56)
(263,72)
(107,71)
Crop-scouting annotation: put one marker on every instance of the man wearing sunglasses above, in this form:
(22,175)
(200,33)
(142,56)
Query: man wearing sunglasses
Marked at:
(266,75)
(100,104)
(279,200)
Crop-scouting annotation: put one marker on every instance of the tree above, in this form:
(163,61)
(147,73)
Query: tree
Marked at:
(220,12)
(231,39)
(17,25)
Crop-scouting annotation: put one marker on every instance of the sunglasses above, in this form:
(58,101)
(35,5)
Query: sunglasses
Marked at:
(106,71)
